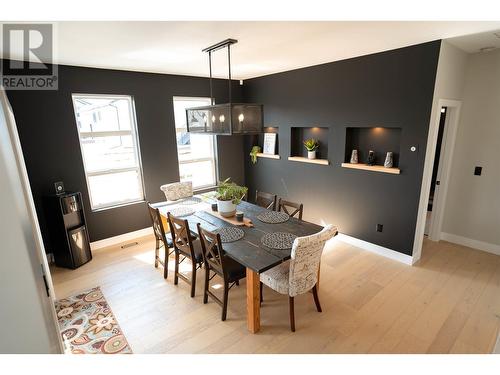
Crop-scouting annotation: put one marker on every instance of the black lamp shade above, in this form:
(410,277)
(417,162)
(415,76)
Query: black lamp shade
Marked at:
(225,119)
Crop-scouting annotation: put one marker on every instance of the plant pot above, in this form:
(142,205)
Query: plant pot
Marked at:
(311,154)
(226,208)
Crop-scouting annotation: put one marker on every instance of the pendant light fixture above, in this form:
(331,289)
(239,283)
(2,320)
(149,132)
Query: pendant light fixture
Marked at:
(228,118)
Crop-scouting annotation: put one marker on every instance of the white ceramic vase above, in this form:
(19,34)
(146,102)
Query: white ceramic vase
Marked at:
(389,160)
(226,208)
(354,157)
(311,154)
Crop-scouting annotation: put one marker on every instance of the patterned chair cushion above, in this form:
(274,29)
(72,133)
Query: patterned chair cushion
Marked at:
(277,278)
(177,190)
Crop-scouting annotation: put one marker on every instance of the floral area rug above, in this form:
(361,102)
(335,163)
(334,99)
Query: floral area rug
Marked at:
(88,325)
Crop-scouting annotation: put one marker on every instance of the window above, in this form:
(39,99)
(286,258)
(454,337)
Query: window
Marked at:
(196,152)
(110,149)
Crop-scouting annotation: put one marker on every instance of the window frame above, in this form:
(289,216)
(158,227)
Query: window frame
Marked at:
(133,132)
(214,144)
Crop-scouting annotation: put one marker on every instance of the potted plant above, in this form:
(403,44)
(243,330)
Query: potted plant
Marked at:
(228,195)
(253,153)
(311,145)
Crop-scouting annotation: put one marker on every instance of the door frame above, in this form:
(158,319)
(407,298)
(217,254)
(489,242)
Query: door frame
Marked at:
(38,255)
(445,162)
(444,167)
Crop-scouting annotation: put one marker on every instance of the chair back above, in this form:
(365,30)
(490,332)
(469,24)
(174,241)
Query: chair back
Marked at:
(181,236)
(306,256)
(265,200)
(158,229)
(177,190)
(291,208)
(211,245)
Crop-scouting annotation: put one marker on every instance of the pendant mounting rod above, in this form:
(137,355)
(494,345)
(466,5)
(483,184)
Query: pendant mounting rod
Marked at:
(225,43)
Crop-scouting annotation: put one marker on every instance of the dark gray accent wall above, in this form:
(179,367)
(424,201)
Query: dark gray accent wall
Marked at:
(49,138)
(388,89)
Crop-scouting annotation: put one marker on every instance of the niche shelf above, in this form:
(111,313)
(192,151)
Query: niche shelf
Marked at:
(298,152)
(373,168)
(268,156)
(306,160)
(379,139)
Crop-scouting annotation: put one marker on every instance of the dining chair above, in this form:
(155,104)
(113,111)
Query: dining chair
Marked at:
(162,240)
(220,264)
(187,247)
(300,274)
(265,200)
(291,208)
(177,190)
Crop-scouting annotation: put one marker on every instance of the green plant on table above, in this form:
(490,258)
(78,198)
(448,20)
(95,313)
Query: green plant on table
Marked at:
(229,191)
(311,144)
(254,152)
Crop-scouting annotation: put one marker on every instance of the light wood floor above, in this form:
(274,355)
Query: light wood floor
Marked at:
(448,303)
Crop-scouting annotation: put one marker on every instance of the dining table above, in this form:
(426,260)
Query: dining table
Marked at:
(249,251)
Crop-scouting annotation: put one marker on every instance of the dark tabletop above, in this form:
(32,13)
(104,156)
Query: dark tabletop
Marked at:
(249,251)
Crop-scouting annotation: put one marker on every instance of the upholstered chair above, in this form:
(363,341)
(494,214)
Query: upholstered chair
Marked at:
(300,274)
(177,190)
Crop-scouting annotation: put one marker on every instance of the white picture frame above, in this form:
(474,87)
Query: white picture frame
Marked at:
(269,143)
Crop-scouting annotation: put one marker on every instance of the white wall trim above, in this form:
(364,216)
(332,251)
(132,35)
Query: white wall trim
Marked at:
(116,240)
(470,242)
(380,250)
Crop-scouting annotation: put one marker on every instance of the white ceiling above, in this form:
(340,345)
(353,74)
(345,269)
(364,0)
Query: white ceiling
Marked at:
(263,47)
(475,42)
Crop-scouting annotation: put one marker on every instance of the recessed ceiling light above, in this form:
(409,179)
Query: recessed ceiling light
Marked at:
(487,49)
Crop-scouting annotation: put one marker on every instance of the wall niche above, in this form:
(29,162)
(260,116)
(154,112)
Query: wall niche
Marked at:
(379,139)
(300,134)
(258,140)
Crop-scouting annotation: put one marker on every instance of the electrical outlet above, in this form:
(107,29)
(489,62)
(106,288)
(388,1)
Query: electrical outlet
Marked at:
(380,227)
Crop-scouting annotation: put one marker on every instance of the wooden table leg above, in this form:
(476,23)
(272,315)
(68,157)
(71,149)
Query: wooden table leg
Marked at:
(253,301)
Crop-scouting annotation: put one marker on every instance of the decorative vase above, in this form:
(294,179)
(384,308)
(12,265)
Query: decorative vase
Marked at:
(354,157)
(226,208)
(371,158)
(311,154)
(388,160)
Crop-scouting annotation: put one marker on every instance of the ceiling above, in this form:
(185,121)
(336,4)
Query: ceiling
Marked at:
(263,47)
(477,42)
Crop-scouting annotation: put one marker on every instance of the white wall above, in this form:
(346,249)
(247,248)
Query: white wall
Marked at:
(473,202)
(27,314)
(449,85)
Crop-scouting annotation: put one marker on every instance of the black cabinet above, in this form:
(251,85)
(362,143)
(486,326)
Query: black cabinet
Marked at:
(68,236)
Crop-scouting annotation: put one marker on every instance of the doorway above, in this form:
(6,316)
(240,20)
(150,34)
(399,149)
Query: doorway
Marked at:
(438,159)
(434,181)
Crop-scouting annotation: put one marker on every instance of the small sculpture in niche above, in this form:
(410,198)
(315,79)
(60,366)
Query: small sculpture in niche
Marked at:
(371,158)
(389,160)
(354,157)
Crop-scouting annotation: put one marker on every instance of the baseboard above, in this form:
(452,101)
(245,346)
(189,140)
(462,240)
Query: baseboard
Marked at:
(116,240)
(469,242)
(380,250)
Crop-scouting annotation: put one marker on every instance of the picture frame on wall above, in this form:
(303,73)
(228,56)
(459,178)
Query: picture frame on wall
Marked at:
(269,143)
